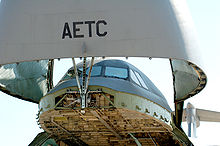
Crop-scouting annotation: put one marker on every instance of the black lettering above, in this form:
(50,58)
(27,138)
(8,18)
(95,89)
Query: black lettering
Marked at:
(66,31)
(90,26)
(97,28)
(75,29)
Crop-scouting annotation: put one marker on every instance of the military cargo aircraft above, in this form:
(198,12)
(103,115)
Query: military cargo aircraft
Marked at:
(114,103)
(103,101)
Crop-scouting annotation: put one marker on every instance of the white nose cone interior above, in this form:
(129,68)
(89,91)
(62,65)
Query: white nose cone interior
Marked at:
(36,30)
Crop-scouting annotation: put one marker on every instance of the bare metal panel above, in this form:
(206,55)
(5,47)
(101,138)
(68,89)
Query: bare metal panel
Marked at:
(188,79)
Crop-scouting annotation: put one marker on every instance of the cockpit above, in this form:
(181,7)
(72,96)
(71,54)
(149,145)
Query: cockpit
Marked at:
(96,71)
(106,70)
(116,75)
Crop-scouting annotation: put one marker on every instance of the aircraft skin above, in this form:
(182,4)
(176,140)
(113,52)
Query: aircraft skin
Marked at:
(123,108)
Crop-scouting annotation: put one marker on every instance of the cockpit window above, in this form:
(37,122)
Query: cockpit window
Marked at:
(96,71)
(116,72)
(70,74)
(135,76)
(141,80)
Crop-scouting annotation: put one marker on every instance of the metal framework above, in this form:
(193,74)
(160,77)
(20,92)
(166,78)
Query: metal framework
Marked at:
(85,83)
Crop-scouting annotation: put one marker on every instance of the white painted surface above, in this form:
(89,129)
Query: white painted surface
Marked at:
(32,30)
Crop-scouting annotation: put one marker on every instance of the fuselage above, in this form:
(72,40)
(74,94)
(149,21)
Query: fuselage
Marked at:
(118,76)
(116,89)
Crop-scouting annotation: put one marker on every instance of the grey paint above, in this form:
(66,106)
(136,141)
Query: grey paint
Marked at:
(121,85)
(117,85)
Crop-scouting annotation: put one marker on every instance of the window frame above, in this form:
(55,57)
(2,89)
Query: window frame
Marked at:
(108,76)
(100,74)
(139,77)
(138,82)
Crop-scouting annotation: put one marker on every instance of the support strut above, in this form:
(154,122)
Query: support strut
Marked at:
(85,83)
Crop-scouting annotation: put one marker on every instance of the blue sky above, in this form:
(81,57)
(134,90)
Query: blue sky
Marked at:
(206,16)
(18,124)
